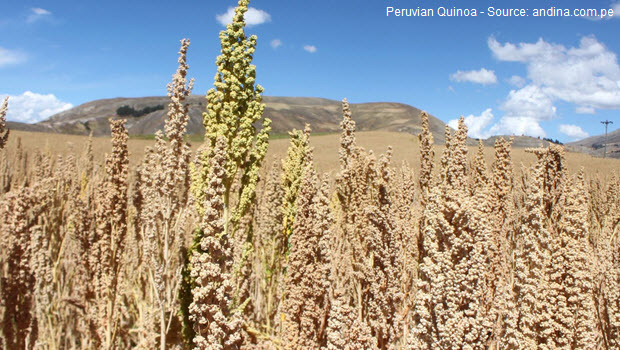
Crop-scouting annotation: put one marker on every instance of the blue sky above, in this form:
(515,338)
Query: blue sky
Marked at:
(543,76)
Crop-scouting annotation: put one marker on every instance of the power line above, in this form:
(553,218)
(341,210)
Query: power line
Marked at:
(606,122)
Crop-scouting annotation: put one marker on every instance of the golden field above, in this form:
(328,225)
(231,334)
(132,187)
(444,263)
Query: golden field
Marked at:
(405,147)
(99,229)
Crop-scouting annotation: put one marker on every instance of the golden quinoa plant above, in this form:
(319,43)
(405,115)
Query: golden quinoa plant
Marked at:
(451,309)
(367,259)
(305,302)
(162,189)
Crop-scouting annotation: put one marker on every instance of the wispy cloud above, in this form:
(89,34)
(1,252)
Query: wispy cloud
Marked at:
(310,48)
(275,43)
(585,110)
(37,14)
(31,107)
(252,17)
(482,76)
(10,57)
(517,81)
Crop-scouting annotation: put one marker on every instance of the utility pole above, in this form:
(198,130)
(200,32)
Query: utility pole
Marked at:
(606,122)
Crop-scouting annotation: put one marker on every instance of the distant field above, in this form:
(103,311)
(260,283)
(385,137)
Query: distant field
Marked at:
(195,138)
(406,148)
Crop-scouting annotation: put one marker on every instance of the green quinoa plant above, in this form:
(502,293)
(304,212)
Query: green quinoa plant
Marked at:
(234,112)
(234,108)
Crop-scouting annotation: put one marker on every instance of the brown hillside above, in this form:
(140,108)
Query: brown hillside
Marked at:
(594,145)
(287,113)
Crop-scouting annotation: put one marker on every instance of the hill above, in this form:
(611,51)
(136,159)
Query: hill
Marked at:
(287,113)
(594,145)
(323,115)
(28,127)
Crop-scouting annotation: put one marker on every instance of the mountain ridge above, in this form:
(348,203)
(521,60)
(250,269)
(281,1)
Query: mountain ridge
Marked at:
(286,113)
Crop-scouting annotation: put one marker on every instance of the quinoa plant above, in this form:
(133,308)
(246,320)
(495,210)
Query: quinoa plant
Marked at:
(234,109)
(162,187)
(294,166)
(4,131)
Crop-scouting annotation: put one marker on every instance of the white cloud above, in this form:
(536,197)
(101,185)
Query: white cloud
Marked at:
(37,13)
(613,6)
(523,52)
(252,17)
(8,57)
(517,126)
(482,76)
(616,8)
(275,43)
(31,107)
(530,102)
(585,110)
(476,124)
(573,131)
(517,81)
(524,110)
(587,75)
(310,48)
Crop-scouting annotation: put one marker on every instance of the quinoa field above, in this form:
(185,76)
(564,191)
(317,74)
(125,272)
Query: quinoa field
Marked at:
(357,240)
